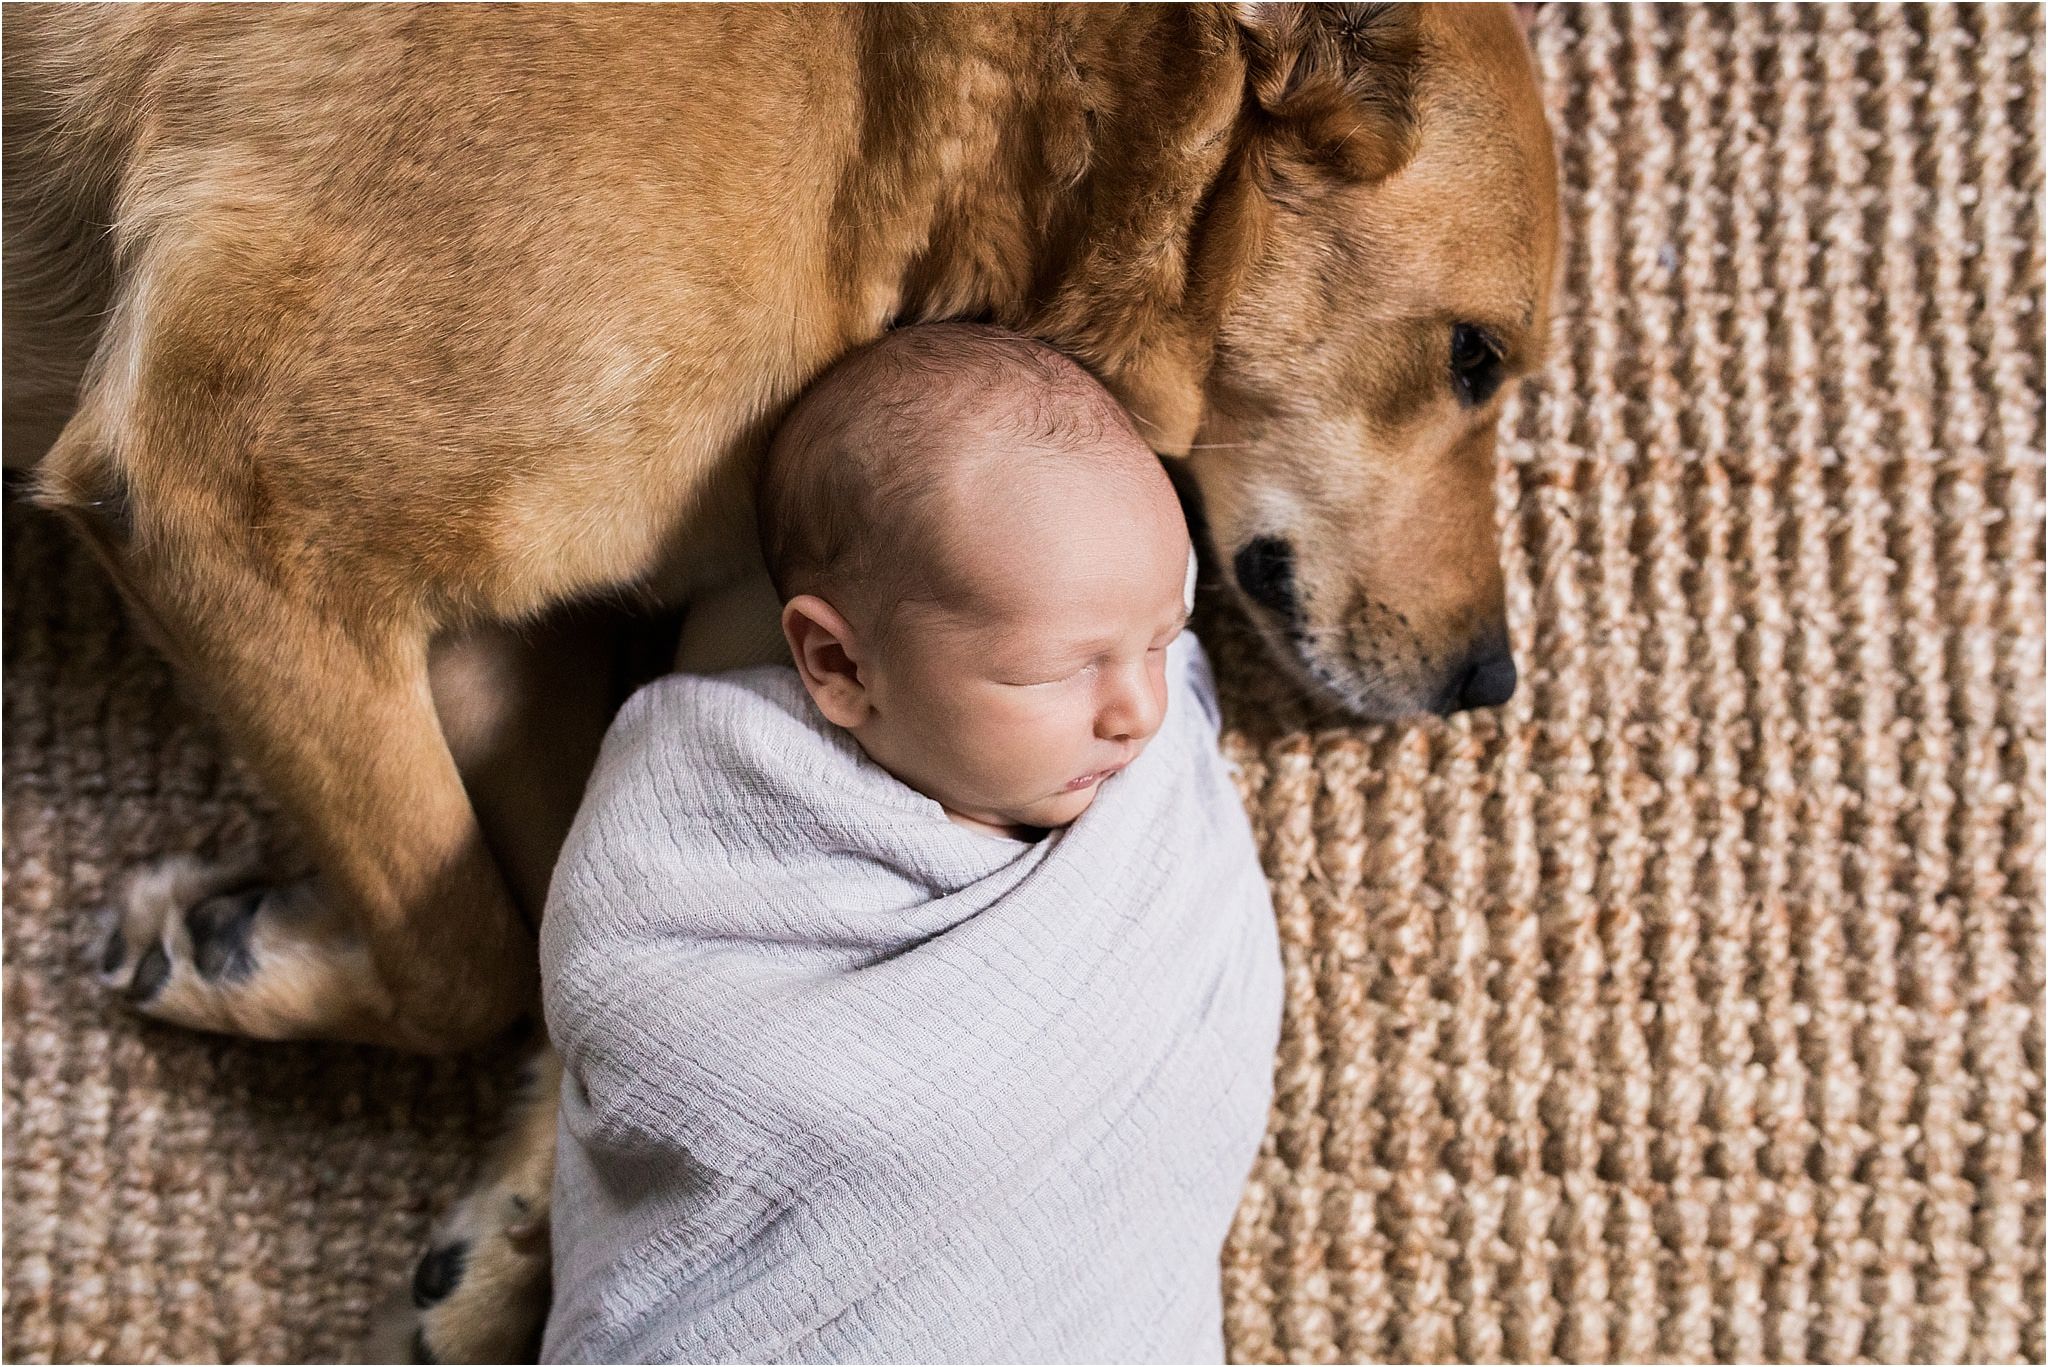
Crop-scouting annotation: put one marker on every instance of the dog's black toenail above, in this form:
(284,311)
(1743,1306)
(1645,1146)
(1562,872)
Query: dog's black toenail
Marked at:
(420,1351)
(150,975)
(438,1273)
(219,928)
(113,952)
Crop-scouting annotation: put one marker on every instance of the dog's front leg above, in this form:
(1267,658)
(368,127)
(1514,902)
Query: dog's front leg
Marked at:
(406,935)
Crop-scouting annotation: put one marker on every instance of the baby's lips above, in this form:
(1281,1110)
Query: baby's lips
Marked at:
(1102,775)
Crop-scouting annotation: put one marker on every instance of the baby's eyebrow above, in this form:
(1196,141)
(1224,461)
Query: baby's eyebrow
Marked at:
(1075,649)
(1098,644)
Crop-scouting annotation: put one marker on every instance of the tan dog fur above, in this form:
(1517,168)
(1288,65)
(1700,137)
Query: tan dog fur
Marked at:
(363,328)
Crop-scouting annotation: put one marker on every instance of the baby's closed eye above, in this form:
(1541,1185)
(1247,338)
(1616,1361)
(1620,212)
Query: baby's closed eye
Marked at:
(1045,673)
(1040,679)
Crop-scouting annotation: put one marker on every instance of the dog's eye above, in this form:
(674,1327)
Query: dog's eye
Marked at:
(1475,364)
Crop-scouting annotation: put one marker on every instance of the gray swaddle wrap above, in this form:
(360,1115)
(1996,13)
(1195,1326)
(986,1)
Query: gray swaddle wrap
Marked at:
(846,1081)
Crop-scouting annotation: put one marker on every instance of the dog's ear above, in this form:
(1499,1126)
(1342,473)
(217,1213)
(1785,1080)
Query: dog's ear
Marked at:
(1335,86)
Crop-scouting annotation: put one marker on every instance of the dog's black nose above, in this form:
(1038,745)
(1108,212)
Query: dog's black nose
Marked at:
(1488,683)
(1265,571)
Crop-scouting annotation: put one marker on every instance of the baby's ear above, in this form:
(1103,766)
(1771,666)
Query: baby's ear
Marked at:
(827,657)
(1336,83)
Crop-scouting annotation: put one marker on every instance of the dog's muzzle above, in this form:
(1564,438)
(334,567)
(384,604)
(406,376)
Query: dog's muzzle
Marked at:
(1484,677)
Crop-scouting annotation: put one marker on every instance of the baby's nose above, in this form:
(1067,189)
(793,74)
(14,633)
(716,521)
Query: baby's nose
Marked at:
(1134,716)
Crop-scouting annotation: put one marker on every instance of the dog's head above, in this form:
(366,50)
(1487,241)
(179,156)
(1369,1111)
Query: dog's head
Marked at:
(1378,258)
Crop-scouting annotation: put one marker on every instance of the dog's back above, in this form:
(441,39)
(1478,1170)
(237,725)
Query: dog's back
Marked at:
(67,122)
(437,164)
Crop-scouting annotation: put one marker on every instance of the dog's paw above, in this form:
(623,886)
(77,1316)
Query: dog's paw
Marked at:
(179,927)
(480,1293)
(211,947)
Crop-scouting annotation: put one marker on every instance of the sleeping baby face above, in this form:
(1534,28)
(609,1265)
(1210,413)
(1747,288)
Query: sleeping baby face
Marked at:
(981,564)
(1034,670)
(1013,701)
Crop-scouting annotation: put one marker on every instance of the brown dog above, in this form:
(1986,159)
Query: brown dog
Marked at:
(360,330)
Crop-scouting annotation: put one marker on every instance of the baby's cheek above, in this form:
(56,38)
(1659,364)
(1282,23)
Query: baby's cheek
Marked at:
(1033,735)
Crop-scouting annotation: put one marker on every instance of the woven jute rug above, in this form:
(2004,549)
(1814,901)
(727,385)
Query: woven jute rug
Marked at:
(1689,1008)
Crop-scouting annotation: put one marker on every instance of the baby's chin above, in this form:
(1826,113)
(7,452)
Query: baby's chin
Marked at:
(1061,809)
(1046,814)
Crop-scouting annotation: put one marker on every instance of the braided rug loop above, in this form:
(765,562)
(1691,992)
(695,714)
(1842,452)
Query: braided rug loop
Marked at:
(1688,1008)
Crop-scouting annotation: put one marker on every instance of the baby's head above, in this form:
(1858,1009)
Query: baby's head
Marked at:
(981,565)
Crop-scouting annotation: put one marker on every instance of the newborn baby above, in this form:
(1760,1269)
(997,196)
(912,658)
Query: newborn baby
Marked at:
(919,1003)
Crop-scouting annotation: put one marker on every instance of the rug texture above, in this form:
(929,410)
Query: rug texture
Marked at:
(1688,1008)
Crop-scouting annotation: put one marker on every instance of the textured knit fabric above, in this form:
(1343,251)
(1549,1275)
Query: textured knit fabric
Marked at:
(1688,1008)
(849,1082)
